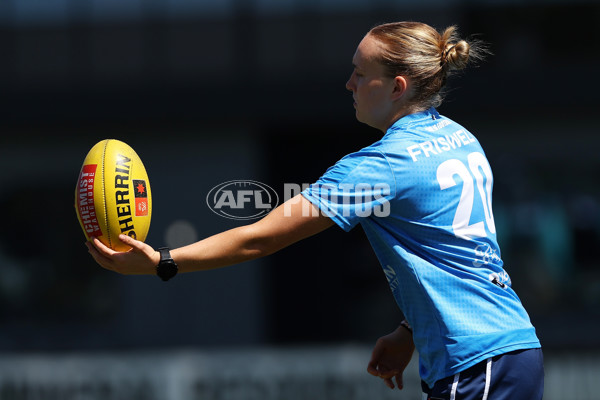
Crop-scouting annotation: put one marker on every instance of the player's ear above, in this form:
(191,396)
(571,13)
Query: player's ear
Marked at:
(400,87)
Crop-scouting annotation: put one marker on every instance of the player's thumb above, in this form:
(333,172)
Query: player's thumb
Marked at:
(135,244)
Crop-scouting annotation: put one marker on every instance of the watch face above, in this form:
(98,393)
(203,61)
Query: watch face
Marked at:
(166,269)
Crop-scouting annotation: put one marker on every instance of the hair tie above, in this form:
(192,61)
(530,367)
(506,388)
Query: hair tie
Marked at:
(444,57)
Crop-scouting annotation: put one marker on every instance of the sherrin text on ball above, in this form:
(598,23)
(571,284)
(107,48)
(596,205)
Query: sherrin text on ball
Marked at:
(113,195)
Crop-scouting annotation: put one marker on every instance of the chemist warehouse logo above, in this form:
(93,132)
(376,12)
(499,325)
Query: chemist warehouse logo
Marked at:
(242,200)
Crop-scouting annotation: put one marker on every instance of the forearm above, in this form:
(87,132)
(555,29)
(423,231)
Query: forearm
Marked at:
(278,229)
(227,248)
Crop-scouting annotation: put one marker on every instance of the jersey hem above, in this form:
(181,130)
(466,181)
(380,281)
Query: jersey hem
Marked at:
(485,356)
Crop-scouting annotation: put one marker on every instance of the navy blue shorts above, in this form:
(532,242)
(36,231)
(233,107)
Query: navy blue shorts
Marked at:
(518,375)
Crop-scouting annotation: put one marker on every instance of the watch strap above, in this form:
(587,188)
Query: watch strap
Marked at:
(166,268)
(165,254)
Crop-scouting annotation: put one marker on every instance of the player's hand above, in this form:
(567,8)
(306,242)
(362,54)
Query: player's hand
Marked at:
(140,259)
(391,355)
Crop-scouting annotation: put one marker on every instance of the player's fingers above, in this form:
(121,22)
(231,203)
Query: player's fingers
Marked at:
(375,357)
(388,374)
(372,368)
(104,261)
(102,248)
(399,381)
(389,383)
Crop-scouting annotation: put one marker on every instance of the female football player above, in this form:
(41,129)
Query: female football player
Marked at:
(422,194)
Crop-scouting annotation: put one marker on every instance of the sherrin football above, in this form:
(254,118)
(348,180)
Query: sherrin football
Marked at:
(113,194)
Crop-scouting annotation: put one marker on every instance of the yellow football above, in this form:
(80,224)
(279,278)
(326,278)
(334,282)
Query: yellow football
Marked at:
(113,194)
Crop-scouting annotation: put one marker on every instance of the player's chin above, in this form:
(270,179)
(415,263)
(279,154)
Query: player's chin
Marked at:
(360,117)
(367,121)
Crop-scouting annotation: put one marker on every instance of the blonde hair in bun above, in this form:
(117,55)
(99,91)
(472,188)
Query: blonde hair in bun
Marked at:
(427,57)
(455,53)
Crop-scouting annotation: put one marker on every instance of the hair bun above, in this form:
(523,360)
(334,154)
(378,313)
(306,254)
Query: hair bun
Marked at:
(456,55)
(425,55)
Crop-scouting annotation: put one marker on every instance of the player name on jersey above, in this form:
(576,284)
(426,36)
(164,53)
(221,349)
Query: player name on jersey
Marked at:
(440,144)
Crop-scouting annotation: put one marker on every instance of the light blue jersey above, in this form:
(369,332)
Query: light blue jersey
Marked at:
(423,195)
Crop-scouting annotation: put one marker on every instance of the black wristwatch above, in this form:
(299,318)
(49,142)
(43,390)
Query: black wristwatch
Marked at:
(166,268)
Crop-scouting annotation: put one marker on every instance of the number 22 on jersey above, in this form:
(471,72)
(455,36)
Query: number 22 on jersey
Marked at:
(471,176)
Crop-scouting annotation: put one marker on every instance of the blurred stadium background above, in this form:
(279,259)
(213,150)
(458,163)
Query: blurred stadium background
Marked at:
(208,91)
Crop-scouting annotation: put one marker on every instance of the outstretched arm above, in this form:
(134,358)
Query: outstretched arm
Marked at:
(292,221)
